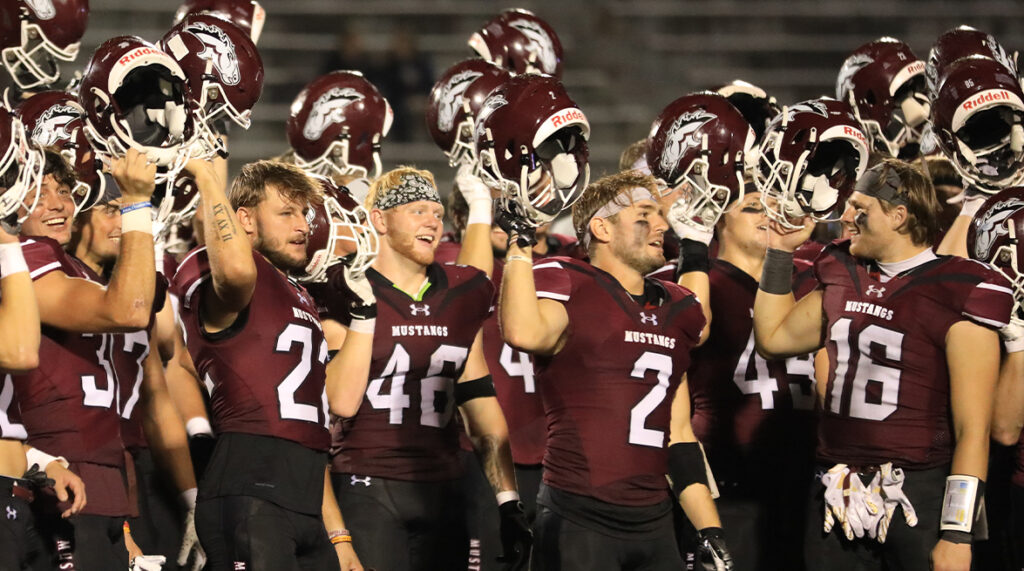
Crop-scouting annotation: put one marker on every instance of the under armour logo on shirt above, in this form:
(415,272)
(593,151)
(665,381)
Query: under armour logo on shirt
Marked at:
(645,318)
(240,566)
(364,481)
(12,513)
(419,309)
(875,291)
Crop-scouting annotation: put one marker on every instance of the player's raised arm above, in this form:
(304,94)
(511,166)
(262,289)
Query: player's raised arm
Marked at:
(528,322)
(126,303)
(232,269)
(783,326)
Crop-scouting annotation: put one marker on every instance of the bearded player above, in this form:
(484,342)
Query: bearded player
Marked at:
(253,333)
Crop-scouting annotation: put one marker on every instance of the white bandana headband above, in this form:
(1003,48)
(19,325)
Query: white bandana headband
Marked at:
(617,204)
(411,188)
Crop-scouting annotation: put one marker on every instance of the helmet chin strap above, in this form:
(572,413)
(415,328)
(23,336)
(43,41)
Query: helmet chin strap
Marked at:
(915,112)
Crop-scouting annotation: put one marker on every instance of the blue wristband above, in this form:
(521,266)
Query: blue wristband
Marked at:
(135,206)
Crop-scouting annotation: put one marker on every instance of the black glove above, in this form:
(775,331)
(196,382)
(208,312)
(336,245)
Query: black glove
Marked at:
(513,220)
(714,555)
(38,478)
(200,447)
(516,537)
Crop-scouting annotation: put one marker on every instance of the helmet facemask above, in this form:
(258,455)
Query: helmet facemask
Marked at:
(813,185)
(705,201)
(349,230)
(551,178)
(33,64)
(22,167)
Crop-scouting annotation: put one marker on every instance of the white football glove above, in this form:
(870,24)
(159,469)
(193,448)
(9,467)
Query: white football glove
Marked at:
(147,563)
(970,201)
(477,195)
(683,224)
(190,546)
(892,492)
(857,511)
(1013,335)
(835,482)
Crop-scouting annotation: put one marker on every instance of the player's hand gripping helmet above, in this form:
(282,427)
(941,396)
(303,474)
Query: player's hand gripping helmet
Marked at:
(136,96)
(996,237)
(883,82)
(248,15)
(959,43)
(978,121)
(224,71)
(454,103)
(337,123)
(21,171)
(702,142)
(520,42)
(810,158)
(34,34)
(339,231)
(54,119)
(531,143)
(754,103)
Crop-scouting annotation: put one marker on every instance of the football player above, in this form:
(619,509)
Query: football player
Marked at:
(254,334)
(68,402)
(913,360)
(20,339)
(604,340)
(752,415)
(151,429)
(396,468)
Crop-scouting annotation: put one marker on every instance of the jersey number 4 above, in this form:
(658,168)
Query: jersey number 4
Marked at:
(435,384)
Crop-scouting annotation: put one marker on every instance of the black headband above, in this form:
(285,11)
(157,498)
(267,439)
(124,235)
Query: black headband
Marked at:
(887,189)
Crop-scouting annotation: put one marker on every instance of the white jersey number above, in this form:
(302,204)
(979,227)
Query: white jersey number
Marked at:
(518,364)
(866,370)
(302,336)
(638,432)
(434,386)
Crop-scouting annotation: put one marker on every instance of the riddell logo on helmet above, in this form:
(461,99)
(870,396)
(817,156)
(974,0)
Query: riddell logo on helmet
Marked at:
(986,97)
(568,116)
(915,68)
(137,54)
(856,134)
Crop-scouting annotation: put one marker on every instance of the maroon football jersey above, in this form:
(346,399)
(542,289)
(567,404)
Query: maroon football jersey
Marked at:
(129,354)
(69,403)
(887,397)
(741,401)
(607,394)
(404,429)
(513,374)
(269,368)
